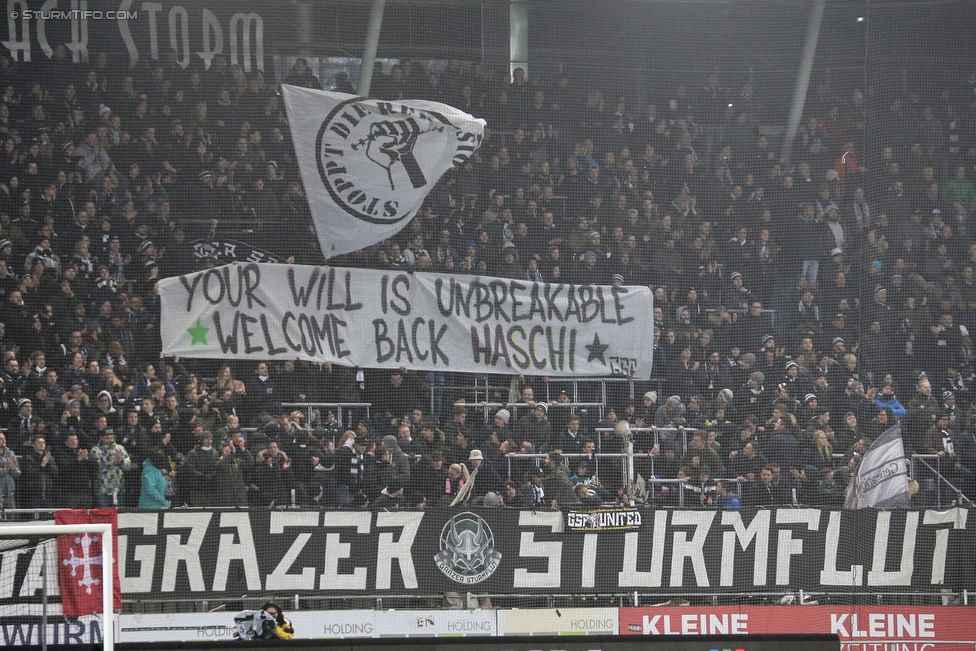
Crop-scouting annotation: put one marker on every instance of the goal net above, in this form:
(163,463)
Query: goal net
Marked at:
(31,608)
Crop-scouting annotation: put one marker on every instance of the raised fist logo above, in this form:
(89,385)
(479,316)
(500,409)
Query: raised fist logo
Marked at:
(392,141)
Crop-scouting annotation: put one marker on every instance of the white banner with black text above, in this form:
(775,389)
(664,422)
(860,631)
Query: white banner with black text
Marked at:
(424,321)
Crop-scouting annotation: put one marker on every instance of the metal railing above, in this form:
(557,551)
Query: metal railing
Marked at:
(786,597)
(342,409)
(515,458)
(740,311)
(576,408)
(577,389)
(657,432)
(625,459)
(946,493)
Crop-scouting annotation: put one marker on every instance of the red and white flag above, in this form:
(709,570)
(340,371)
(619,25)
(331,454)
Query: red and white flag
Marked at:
(80,567)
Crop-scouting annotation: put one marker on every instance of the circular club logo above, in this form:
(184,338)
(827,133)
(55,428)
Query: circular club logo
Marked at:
(467,552)
(372,157)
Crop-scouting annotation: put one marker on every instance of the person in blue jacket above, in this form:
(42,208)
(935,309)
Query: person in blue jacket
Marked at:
(723,499)
(886,398)
(153,493)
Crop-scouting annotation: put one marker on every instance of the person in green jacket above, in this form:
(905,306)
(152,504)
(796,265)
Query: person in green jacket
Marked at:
(153,494)
(959,187)
(556,482)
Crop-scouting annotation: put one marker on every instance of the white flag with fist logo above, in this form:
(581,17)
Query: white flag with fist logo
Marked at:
(368,164)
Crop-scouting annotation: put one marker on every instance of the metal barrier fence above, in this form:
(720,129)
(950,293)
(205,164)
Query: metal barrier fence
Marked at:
(625,461)
(602,390)
(343,410)
(555,600)
(930,471)
(658,433)
(576,408)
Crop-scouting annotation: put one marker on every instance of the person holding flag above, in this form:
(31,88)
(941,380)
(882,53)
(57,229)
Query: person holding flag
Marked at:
(881,479)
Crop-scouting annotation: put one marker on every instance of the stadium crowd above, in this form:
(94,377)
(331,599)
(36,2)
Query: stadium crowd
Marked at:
(802,306)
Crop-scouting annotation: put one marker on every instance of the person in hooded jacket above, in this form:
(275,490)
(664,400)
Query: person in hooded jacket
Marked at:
(886,398)
(152,494)
(202,463)
(667,413)
(104,404)
(398,459)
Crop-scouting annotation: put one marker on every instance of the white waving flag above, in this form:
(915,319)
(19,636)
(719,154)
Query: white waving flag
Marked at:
(368,165)
(881,481)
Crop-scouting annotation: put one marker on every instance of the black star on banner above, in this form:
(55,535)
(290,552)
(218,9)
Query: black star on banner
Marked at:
(596,350)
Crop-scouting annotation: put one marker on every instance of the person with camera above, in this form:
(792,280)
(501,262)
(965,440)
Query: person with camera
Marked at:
(269,623)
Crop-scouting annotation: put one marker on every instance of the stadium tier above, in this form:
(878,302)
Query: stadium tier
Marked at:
(426,305)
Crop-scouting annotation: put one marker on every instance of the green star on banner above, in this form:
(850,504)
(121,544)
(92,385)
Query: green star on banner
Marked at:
(198,334)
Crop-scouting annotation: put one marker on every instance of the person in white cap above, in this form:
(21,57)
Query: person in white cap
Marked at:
(498,427)
(648,406)
(487,479)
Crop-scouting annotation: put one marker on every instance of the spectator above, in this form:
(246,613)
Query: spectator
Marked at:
(260,390)
(153,488)
(532,493)
(199,471)
(723,499)
(9,475)
(38,481)
(23,426)
(558,487)
(75,472)
(571,439)
(273,476)
(765,492)
(111,463)
(498,427)
(700,454)
(233,466)
(487,480)
(535,427)
(390,498)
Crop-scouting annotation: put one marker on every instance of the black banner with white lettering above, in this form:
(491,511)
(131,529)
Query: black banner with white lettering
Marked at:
(220,554)
(200,554)
(609,519)
(193,33)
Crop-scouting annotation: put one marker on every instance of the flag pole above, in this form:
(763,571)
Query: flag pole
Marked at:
(369,48)
(44,597)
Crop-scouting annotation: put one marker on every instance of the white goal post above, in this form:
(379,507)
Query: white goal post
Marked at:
(108,561)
